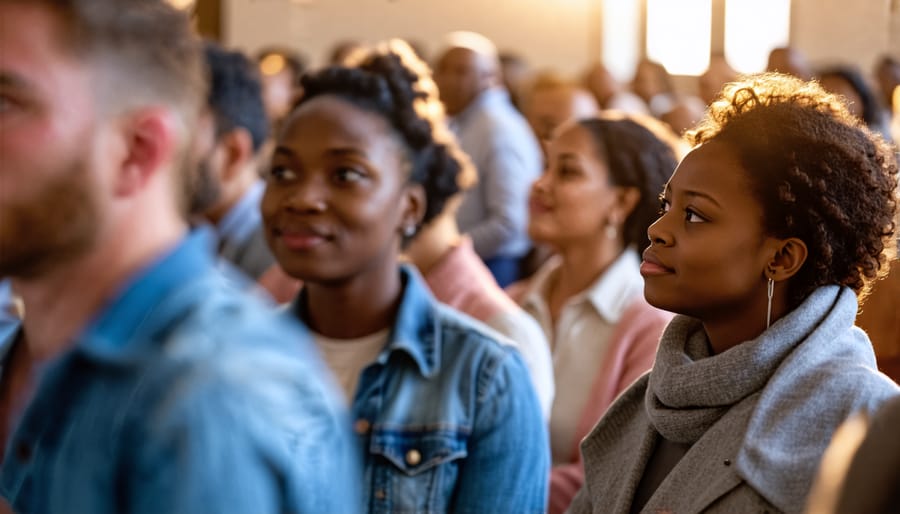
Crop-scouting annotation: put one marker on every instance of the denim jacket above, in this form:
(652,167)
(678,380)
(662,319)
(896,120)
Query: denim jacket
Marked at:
(447,416)
(184,395)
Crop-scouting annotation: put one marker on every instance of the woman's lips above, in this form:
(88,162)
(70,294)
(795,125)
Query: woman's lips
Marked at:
(537,206)
(303,239)
(653,266)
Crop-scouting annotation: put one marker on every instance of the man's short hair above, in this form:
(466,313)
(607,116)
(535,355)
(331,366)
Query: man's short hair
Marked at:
(148,44)
(235,94)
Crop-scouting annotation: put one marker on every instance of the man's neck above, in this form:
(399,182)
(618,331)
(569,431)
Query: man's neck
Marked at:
(61,302)
(232,195)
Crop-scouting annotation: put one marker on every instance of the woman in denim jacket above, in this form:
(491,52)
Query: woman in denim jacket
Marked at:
(447,417)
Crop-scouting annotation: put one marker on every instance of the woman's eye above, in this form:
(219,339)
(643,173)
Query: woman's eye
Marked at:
(692,217)
(664,206)
(346,174)
(282,173)
(568,171)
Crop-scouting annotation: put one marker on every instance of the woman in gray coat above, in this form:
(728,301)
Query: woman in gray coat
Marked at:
(771,231)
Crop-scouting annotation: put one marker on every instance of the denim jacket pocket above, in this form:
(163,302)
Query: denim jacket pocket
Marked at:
(415,470)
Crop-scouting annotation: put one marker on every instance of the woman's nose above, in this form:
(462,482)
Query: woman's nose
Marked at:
(308,196)
(657,232)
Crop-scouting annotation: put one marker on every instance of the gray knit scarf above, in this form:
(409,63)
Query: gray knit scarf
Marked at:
(689,390)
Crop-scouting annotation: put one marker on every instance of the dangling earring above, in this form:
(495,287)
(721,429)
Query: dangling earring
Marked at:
(770,290)
(611,231)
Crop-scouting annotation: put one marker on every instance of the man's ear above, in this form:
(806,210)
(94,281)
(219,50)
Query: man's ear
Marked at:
(238,144)
(150,143)
(787,258)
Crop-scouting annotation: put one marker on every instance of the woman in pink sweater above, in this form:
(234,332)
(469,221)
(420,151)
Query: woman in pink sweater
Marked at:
(592,206)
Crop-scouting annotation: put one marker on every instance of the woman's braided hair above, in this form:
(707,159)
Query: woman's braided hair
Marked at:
(392,81)
(819,174)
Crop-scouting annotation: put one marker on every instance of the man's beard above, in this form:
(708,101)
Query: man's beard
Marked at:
(203,189)
(56,225)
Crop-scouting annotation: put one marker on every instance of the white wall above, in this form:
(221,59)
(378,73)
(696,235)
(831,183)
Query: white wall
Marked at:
(551,33)
(846,31)
(562,34)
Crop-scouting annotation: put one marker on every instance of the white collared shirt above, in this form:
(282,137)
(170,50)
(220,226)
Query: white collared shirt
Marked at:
(580,339)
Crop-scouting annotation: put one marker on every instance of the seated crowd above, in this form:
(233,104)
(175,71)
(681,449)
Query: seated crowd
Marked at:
(231,284)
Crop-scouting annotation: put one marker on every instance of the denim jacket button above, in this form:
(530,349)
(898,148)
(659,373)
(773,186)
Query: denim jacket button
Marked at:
(413,457)
(362,426)
(379,494)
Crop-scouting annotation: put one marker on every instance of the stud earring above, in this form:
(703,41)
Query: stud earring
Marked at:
(770,290)
(409,230)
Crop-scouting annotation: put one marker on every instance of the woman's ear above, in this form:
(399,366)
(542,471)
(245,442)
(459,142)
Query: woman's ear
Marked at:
(627,200)
(413,207)
(789,256)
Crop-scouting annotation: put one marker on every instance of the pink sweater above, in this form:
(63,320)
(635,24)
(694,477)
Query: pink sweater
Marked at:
(632,348)
(462,281)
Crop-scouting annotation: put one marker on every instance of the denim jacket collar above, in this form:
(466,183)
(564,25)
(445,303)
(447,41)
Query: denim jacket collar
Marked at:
(126,328)
(416,330)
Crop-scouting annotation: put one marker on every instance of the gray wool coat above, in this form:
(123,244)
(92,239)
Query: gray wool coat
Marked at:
(763,453)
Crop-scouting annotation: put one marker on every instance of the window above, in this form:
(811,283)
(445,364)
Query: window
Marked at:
(678,34)
(621,42)
(752,29)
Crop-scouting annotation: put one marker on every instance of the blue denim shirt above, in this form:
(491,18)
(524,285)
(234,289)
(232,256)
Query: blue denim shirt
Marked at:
(184,395)
(447,417)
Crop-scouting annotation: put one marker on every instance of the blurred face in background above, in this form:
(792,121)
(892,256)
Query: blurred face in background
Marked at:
(548,108)
(571,203)
(837,85)
(461,75)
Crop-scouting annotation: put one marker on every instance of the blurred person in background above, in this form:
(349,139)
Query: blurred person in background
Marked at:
(860,470)
(458,278)
(515,73)
(654,85)
(716,75)
(501,146)
(610,93)
(848,82)
(789,60)
(887,76)
(551,100)
(342,50)
(592,206)
(229,186)
(140,380)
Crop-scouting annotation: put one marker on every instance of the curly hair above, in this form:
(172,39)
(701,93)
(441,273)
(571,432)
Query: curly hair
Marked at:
(637,158)
(817,172)
(392,81)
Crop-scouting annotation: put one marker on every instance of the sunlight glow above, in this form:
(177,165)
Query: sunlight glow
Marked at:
(678,34)
(621,43)
(752,29)
(181,4)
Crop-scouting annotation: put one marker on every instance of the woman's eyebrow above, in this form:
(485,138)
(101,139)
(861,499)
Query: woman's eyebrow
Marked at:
(701,194)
